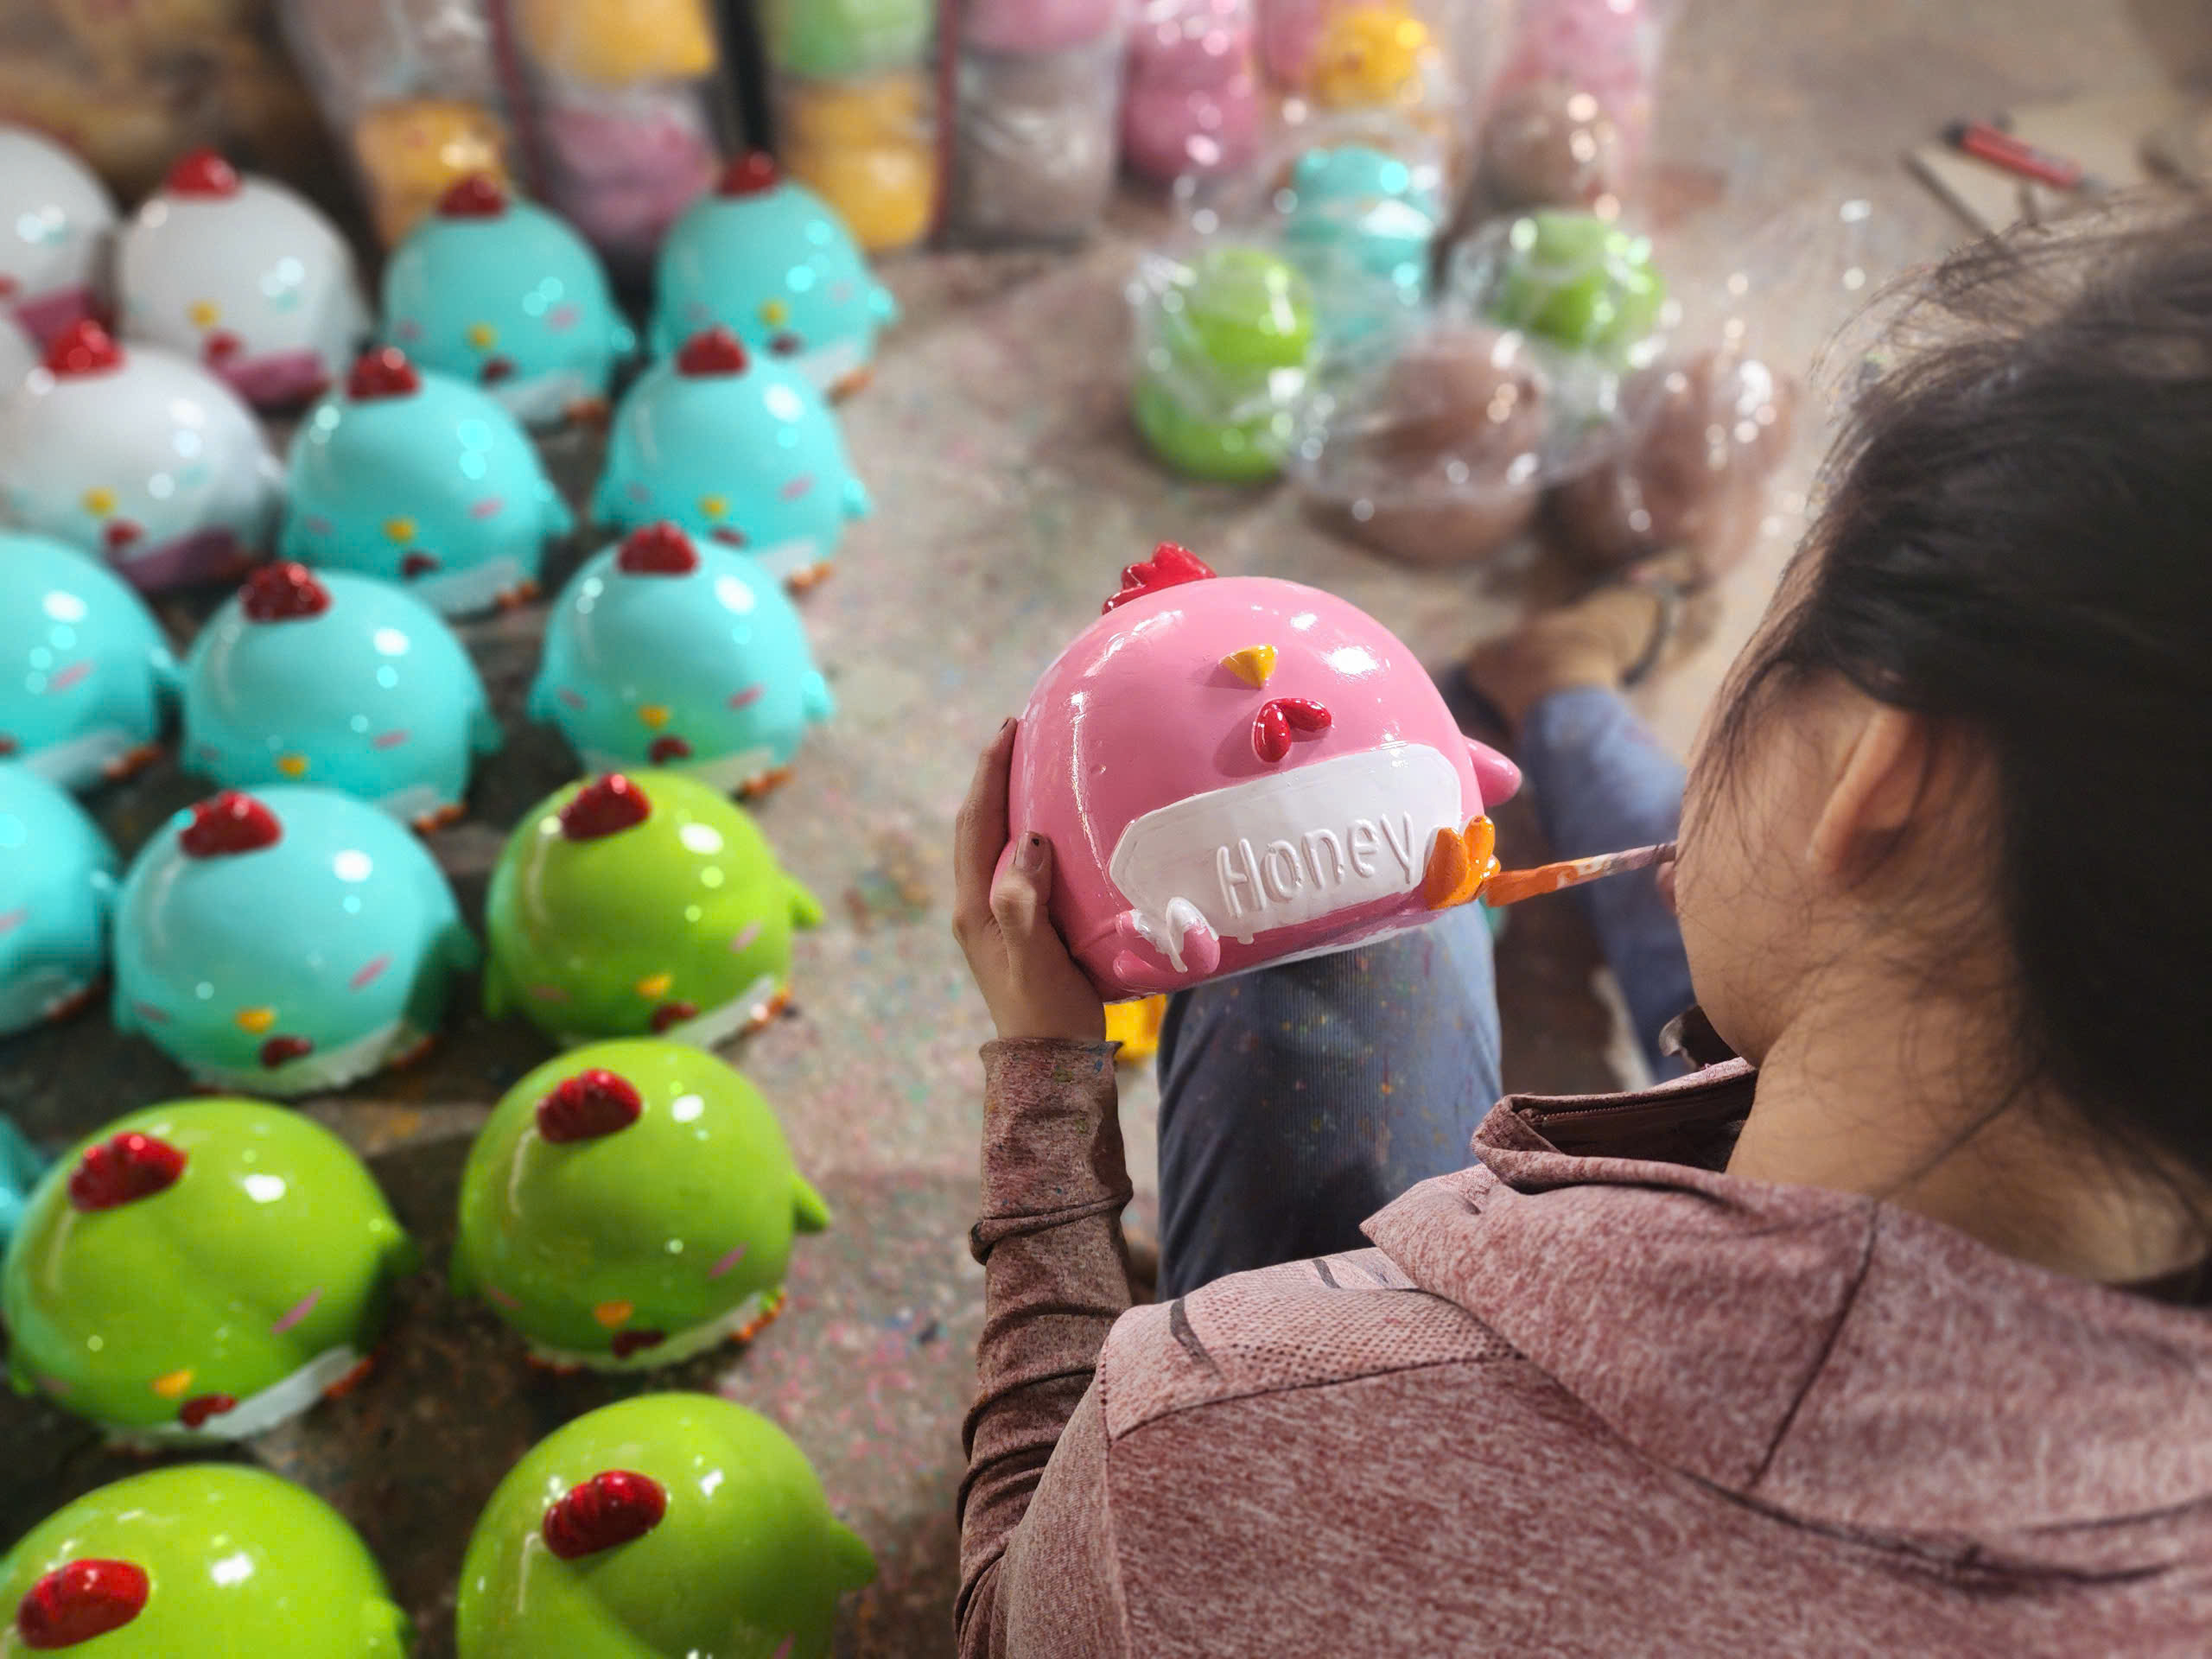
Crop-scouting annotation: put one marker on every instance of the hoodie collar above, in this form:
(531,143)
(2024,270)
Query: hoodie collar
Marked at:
(1813,1352)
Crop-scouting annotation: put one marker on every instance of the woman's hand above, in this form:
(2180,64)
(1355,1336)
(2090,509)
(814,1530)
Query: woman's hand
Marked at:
(1030,983)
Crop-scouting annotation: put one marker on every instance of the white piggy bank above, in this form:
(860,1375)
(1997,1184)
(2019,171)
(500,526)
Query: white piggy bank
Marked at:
(55,219)
(245,277)
(139,458)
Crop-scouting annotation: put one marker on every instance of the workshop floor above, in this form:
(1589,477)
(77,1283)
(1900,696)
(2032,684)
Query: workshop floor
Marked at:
(1009,494)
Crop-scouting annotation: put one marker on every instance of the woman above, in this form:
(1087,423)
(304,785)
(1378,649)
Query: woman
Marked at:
(1883,1338)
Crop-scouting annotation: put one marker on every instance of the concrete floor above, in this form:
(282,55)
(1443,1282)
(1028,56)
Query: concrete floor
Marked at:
(1010,493)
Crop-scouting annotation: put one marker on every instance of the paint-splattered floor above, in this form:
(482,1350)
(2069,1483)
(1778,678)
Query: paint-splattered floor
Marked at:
(1010,493)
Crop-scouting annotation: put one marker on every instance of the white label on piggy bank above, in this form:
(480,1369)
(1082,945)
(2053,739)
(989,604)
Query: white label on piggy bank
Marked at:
(1293,846)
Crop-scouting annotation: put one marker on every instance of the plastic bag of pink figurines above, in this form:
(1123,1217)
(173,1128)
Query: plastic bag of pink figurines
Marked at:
(1038,93)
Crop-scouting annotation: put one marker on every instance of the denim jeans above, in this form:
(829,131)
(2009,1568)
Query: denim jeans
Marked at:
(1296,1101)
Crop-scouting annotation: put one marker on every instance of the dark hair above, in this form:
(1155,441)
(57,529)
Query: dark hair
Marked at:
(2016,541)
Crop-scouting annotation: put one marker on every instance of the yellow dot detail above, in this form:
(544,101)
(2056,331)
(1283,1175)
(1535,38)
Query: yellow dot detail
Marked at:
(655,984)
(613,1314)
(715,506)
(483,336)
(100,503)
(172,1386)
(774,312)
(653,714)
(256,1020)
(399,530)
(204,314)
(292,766)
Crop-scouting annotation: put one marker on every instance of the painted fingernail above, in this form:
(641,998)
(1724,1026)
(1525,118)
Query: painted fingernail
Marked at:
(1006,725)
(1029,857)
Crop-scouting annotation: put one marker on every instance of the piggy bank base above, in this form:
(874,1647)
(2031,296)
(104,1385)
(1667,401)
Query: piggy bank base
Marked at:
(740,1324)
(1249,450)
(397,1045)
(331,1375)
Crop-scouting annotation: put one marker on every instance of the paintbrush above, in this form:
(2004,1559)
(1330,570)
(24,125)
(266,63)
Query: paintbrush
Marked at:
(1511,887)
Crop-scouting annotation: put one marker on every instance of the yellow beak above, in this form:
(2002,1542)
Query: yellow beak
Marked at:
(256,1020)
(1253,665)
(292,766)
(653,714)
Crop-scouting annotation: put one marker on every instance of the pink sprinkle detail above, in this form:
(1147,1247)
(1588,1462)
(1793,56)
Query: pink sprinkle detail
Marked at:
(369,973)
(318,523)
(549,993)
(743,940)
(490,507)
(69,677)
(783,1648)
(305,1306)
(736,1255)
(13,919)
(54,1384)
(561,318)
(746,698)
(573,699)
(803,485)
(387,739)
(408,328)
(638,493)
(500,1298)
(148,1011)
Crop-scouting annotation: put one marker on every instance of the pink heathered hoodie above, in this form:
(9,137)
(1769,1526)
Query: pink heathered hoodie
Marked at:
(1586,1397)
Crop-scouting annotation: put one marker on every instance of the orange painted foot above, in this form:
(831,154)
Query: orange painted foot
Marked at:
(415,1055)
(73,1004)
(515,598)
(766,1015)
(856,381)
(806,581)
(430,823)
(753,1328)
(1458,864)
(131,761)
(588,411)
(764,783)
(352,1379)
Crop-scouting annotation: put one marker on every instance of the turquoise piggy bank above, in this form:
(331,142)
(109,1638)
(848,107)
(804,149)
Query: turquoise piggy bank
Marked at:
(423,481)
(341,681)
(737,449)
(1360,223)
(768,260)
(285,942)
(504,295)
(665,651)
(85,674)
(57,884)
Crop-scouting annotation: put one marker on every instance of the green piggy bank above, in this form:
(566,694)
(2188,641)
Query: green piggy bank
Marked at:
(630,1205)
(1577,279)
(674,1526)
(1223,359)
(201,1271)
(641,903)
(204,1561)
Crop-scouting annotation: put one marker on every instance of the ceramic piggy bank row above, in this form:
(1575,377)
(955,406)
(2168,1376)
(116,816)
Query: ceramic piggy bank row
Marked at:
(663,1528)
(1237,771)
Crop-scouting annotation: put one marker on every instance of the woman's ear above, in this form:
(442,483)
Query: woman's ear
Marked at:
(1878,788)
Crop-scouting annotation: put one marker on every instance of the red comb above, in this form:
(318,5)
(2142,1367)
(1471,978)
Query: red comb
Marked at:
(232,821)
(477,196)
(1170,566)
(282,593)
(661,550)
(606,1510)
(382,371)
(589,1105)
(712,350)
(84,347)
(749,174)
(121,1170)
(607,807)
(80,1601)
(202,173)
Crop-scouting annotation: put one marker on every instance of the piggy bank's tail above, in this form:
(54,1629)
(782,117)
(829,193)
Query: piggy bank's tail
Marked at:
(854,1562)
(1165,954)
(815,697)
(809,1213)
(806,909)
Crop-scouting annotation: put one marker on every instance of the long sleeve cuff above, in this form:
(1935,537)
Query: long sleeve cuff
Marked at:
(1051,1138)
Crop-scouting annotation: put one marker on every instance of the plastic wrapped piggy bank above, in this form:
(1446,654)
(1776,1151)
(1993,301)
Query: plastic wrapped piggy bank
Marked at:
(1237,771)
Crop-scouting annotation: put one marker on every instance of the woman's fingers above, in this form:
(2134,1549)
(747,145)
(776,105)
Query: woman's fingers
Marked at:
(979,832)
(1018,896)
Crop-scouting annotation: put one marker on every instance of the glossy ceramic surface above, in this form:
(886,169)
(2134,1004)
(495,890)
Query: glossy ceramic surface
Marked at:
(667,914)
(337,680)
(1224,350)
(838,40)
(86,674)
(56,220)
(1580,281)
(57,886)
(1235,771)
(233,1560)
(769,260)
(737,449)
(693,660)
(1361,212)
(139,457)
(245,275)
(630,1204)
(206,1287)
(418,478)
(732,1553)
(292,965)
(495,290)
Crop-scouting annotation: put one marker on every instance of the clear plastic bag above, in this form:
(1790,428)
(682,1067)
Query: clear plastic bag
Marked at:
(1193,104)
(1035,152)
(409,88)
(1424,62)
(869,148)
(1570,116)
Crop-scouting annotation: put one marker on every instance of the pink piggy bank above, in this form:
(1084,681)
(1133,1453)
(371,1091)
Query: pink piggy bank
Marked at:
(1234,771)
